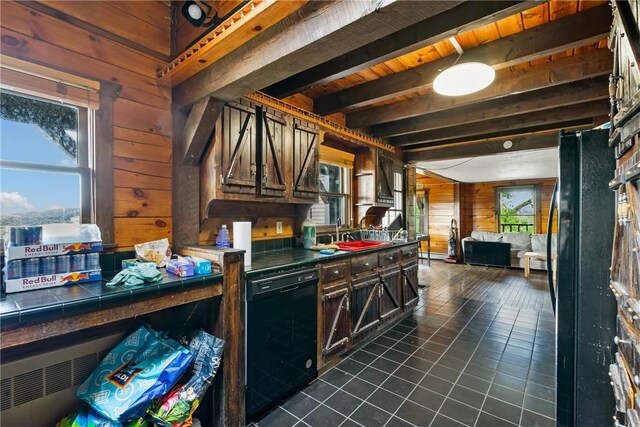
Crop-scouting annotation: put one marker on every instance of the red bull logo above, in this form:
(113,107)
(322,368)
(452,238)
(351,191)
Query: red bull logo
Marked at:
(74,277)
(76,247)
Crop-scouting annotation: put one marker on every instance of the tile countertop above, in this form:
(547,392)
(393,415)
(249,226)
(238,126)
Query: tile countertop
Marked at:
(46,304)
(289,259)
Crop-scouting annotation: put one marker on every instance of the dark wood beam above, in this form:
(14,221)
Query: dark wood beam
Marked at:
(198,128)
(571,125)
(315,33)
(483,147)
(461,18)
(511,123)
(575,124)
(564,70)
(543,99)
(557,36)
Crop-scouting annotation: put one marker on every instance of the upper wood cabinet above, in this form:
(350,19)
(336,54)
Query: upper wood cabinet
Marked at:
(260,154)
(274,135)
(384,178)
(238,145)
(374,183)
(306,142)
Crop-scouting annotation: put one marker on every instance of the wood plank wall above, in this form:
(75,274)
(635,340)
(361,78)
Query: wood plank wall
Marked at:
(442,209)
(121,42)
(477,208)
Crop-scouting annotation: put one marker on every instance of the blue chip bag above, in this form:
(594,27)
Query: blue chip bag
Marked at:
(143,366)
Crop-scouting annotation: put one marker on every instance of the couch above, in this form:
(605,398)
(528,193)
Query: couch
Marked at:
(476,251)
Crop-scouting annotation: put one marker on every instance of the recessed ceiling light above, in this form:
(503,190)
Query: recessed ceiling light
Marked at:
(463,79)
(507,144)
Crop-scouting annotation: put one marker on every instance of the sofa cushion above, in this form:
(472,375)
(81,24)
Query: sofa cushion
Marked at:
(492,237)
(518,240)
(521,253)
(478,235)
(539,243)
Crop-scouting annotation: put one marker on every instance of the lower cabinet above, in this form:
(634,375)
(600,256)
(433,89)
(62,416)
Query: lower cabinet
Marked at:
(362,294)
(336,327)
(390,294)
(365,306)
(410,286)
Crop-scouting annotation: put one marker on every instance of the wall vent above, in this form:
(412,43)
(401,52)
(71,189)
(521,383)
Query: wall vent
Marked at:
(40,389)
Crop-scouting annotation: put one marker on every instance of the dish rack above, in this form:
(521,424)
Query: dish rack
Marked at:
(377,235)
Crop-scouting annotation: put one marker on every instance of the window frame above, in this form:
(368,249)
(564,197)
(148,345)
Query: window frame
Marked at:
(535,189)
(347,184)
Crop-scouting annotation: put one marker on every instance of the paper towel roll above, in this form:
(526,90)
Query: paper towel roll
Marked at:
(242,239)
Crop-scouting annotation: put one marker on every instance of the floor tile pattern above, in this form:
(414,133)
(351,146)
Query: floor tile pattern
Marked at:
(477,351)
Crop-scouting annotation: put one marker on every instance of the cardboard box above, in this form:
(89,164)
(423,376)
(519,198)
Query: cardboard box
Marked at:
(51,281)
(200,266)
(53,249)
(180,268)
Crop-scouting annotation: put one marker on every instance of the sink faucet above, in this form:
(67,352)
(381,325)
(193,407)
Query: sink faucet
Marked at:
(338,224)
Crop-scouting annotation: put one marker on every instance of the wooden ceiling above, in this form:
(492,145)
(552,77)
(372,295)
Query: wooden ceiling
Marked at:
(370,65)
(552,66)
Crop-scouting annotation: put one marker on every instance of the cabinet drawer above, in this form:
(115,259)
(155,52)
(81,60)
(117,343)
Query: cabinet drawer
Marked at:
(387,259)
(409,253)
(364,263)
(334,271)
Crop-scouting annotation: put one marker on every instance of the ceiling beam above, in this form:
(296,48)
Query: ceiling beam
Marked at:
(511,123)
(484,147)
(573,31)
(543,99)
(564,70)
(575,124)
(462,17)
(315,33)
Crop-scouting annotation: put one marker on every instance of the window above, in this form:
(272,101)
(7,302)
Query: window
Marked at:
(516,209)
(422,212)
(335,196)
(44,161)
(398,200)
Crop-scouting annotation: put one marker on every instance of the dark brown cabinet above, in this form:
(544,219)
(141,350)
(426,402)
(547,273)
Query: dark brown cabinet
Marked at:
(410,285)
(390,294)
(365,306)
(306,142)
(274,132)
(335,318)
(261,154)
(238,145)
(384,178)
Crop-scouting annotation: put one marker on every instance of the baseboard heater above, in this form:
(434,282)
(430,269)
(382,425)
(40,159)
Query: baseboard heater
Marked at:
(39,390)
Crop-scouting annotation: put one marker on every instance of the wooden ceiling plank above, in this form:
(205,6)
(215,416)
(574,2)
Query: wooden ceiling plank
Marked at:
(575,30)
(511,123)
(484,148)
(570,125)
(543,99)
(316,33)
(453,20)
(507,83)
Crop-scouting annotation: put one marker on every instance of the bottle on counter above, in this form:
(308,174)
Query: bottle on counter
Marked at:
(222,240)
(308,233)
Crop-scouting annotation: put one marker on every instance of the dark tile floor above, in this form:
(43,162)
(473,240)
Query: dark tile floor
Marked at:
(477,351)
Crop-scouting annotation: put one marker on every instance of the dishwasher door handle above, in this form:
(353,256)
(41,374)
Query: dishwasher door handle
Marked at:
(289,288)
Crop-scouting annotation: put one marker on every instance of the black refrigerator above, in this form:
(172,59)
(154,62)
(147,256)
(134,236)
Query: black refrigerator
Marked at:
(586,309)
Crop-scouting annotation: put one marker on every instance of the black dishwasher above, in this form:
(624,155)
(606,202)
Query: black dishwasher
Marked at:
(281,335)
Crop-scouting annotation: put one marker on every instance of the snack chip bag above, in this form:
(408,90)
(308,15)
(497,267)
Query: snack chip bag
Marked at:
(177,407)
(157,252)
(86,417)
(139,369)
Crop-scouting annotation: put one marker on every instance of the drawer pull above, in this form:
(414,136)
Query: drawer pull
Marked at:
(636,380)
(336,272)
(366,264)
(618,341)
(389,258)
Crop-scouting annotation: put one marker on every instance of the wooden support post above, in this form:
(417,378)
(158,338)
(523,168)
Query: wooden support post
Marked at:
(198,129)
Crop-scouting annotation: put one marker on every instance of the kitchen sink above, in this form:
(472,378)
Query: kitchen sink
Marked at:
(360,245)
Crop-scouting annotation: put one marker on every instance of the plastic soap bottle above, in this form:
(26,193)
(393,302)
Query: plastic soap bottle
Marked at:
(222,240)
(308,234)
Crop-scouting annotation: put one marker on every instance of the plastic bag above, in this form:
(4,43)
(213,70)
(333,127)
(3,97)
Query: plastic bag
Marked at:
(86,417)
(176,407)
(139,369)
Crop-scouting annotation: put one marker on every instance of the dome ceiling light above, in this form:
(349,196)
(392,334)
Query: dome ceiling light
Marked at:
(465,78)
